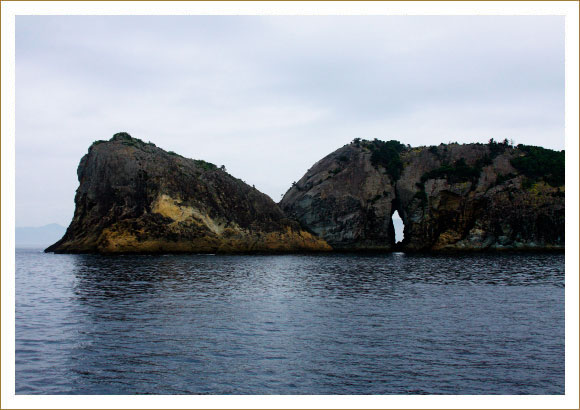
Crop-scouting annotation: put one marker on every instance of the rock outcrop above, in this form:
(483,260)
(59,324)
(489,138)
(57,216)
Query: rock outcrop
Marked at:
(347,200)
(450,197)
(136,198)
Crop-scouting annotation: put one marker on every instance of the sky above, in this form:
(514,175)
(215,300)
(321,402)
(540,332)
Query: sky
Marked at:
(268,96)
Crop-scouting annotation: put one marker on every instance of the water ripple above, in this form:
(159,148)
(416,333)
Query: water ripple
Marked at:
(290,324)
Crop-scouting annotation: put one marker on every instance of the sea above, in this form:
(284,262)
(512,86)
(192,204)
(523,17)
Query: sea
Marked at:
(372,324)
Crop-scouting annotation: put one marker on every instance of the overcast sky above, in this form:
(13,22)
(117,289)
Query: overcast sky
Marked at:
(269,96)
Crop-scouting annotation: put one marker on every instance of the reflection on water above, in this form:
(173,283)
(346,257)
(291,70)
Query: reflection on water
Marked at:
(290,324)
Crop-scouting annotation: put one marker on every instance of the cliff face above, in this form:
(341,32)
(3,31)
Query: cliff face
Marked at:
(346,200)
(450,197)
(135,197)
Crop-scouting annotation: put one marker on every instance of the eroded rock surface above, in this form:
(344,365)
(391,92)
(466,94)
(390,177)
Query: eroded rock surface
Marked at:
(135,197)
(450,197)
(346,200)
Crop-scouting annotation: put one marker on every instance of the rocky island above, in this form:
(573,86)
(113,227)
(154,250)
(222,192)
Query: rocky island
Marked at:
(450,197)
(134,197)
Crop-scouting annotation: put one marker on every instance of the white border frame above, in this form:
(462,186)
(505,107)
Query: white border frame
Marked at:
(11,9)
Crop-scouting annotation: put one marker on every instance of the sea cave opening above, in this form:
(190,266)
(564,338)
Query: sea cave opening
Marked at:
(399,227)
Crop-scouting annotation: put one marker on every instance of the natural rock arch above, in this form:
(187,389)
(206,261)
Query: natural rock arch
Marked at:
(450,197)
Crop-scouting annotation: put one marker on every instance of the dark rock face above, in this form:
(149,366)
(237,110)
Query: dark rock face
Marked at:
(450,197)
(135,197)
(346,200)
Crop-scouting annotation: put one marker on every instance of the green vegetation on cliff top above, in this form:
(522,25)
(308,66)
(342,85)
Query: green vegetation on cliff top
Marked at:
(385,154)
(535,163)
(539,163)
(458,172)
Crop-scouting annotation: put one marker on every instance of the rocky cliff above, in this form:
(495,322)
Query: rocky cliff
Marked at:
(450,197)
(135,197)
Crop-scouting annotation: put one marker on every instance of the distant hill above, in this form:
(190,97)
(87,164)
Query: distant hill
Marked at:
(41,236)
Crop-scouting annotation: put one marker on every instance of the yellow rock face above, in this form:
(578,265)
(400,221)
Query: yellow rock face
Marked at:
(115,241)
(446,238)
(171,208)
(214,237)
(168,207)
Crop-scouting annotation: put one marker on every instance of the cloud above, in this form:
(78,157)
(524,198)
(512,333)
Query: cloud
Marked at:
(268,96)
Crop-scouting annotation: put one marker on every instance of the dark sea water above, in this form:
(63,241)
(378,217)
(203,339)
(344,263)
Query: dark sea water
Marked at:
(290,324)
